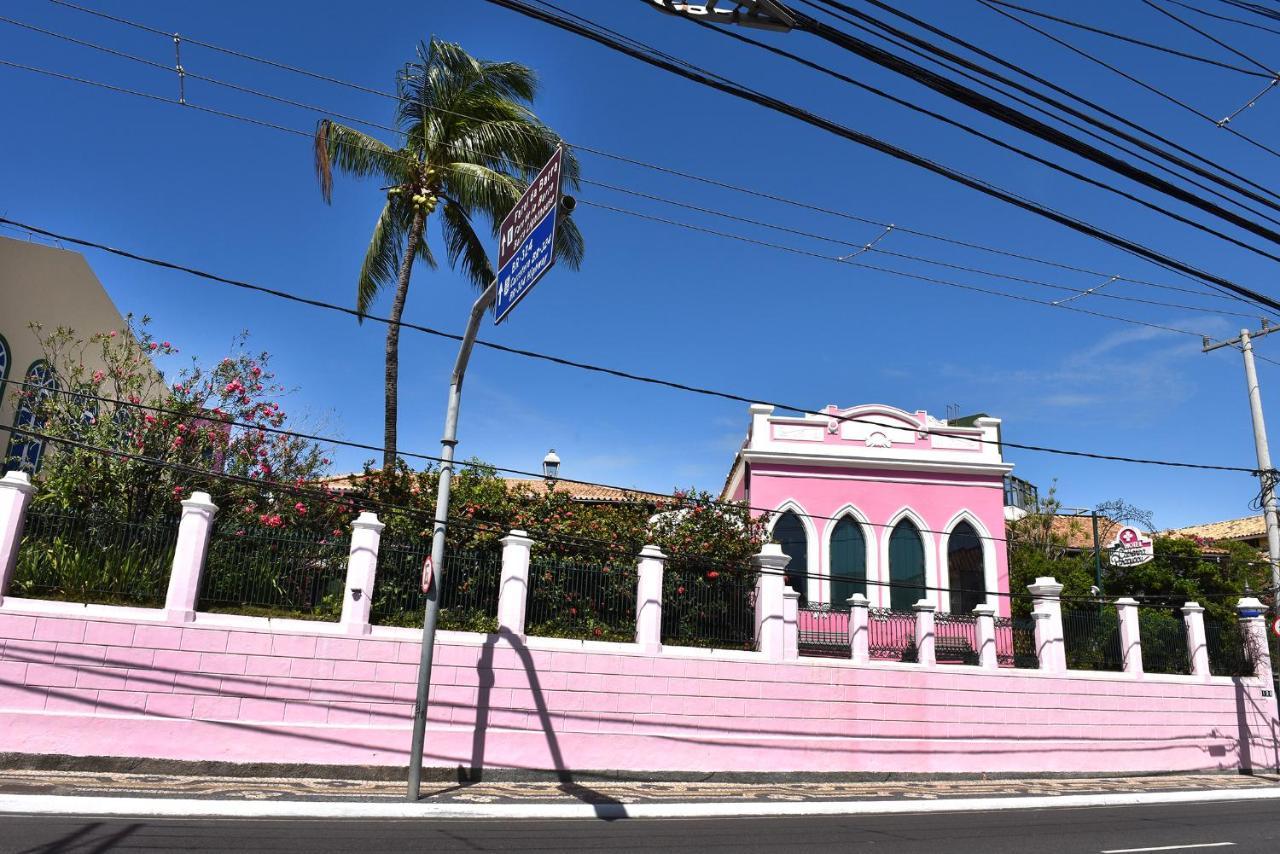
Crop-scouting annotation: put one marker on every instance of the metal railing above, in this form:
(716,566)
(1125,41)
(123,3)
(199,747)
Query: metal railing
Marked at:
(1091,638)
(468,587)
(1016,643)
(823,631)
(955,638)
(92,557)
(1164,641)
(276,574)
(1228,648)
(581,599)
(891,635)
(712,612)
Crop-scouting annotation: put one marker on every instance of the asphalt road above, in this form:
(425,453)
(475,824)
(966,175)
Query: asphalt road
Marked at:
(1249,826)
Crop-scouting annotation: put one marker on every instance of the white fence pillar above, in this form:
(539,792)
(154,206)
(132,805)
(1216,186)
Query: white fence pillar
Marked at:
(1046,593)
(770,612)
(859,628)
(194,529)
(926,652)
(1254,628)
(362,572)
(986,636)
(1197,640)
(790,624)
(1130,635)
(16,490)
(649,573)
(513,585)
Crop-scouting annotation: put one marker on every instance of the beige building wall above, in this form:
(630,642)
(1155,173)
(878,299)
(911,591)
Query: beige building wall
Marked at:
(50,286)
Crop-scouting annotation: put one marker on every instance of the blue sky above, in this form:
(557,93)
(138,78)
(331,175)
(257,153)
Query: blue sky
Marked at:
(242,201)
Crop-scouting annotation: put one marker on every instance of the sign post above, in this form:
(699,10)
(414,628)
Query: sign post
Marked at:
(526,251)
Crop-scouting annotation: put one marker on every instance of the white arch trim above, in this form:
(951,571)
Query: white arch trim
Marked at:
(870,542)
(812,551)
(988,557)
(930,543)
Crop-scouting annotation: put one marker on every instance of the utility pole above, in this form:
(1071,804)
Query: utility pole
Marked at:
(1245,343)
(432,610)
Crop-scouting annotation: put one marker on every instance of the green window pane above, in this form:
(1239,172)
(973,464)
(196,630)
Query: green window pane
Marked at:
(906,566)
(788,532)
(848,561)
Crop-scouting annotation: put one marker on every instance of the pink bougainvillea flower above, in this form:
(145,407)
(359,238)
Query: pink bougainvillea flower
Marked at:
(153,346)
(99,376)
(713,575)
(300,507)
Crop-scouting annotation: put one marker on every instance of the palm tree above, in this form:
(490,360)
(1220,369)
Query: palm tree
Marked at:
(469,146)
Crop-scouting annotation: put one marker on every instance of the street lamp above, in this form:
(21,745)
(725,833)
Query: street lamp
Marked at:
(763,14)
(551,465)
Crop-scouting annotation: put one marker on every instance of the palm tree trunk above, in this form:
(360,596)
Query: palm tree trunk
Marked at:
(392,406)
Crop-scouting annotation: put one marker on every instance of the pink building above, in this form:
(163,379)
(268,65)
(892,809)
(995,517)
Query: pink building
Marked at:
(894,505)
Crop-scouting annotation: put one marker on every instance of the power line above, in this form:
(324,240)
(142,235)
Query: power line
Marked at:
(584,365)
(785,108)
(1132,79)
(1267,70)
(1209,14)
(584,148)
(1132,40)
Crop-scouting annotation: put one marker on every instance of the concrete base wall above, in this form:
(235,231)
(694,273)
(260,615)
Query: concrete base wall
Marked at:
(121,682)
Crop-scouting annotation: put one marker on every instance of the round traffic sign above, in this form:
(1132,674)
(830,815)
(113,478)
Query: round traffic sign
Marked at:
(428,574)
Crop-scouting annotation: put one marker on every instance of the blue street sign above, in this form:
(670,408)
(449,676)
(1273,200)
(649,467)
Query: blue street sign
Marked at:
(527,237)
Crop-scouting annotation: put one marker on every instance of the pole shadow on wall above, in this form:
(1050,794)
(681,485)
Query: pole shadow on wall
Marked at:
(606,806)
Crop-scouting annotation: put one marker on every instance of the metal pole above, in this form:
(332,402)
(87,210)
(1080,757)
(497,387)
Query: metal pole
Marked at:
(1097,553)
(1264,465)
(432,610)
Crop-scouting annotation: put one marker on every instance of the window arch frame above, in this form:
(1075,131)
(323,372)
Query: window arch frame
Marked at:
(48,386)
(871,563)
(6,368)
(812,591)
(990,570)
(927,540)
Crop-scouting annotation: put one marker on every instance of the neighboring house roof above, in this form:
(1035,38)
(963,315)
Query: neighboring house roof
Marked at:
(1245,528)
(584,492)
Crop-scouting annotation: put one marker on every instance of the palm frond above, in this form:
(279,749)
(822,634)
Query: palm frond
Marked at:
(354,153)
(382,259)
(464,246)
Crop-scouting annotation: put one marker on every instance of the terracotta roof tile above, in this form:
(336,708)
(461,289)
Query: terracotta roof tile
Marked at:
(1245,528)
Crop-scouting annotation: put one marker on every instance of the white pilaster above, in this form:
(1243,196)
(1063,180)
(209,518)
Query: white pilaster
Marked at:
(1046,594)
(16,490)
(649,571)
(859,628)
(362,570)
(986,636)
(194,529)
(770,610)
(926,653)
(1130,635)
(1197,639)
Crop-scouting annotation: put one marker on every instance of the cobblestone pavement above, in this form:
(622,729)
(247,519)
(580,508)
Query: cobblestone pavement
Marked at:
(121,784)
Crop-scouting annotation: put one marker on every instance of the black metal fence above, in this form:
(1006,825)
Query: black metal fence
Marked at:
(1164,641)
(1229,651)
(581,599)
(1092,639)
(278,574)
(1016,642)
(90,557)
(891,635)
(823,631)
(468,587)
(955,638)
(712,612)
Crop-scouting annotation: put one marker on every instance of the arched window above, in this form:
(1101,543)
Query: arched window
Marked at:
(965,570)
(906,566)
(5,360)
(25,451)
(848,561)
(788,532)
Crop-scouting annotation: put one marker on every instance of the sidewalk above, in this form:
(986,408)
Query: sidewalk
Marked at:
(87,791)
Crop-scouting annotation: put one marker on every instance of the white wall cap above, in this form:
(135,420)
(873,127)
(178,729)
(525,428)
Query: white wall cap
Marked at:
(788,593)
(1045,586)
(368,520)
(1193,608)
(19,480)
(761,409)
(857,600)
(652,551)
(1250,603)
(516,537)
(924,605)
(771,556)
(200,501)
(1127,602)
(984,610)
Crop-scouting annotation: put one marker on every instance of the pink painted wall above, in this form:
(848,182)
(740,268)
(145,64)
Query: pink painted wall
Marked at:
(880,498)
(243,689)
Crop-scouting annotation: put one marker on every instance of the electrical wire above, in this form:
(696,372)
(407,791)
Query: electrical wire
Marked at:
(1228,18)
(577,146)
(866,140)
(1267,70)
(1131,40)
(590,367)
